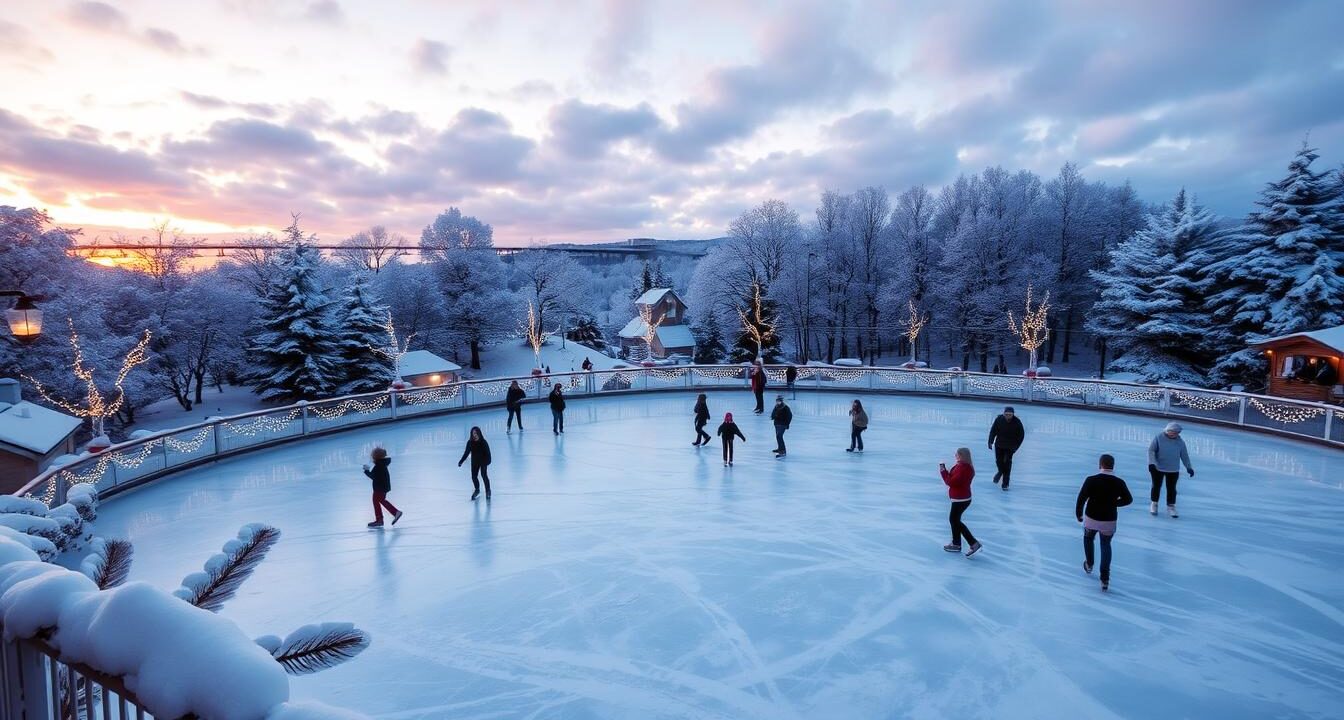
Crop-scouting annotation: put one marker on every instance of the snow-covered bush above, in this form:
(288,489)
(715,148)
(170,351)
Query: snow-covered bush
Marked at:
(43,527)
(45,549)
(21,506)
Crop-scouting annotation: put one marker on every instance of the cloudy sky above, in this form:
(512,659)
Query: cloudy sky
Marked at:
(588,120)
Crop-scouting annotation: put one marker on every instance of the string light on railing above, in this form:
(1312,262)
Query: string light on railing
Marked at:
(1057,389)
(668,374)
(438,394)
(1142,395)
(262,425)
(720,373)
(1290,414)
(995,384)
(843,376)
(497,388)
(362,408)
(188,446)
(131,461)
(896,377)
(933,379)
(1203,402)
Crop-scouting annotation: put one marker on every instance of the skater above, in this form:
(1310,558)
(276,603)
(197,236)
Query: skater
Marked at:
(758,385)
(557,400)
(958,481)
(727,431)
(858,422)
(513,400)
(1005,437)
(1165,454)
(1101,494)
(479,450)
(701,419)
(791,377)
(781,416)
(587,365)
(382,485)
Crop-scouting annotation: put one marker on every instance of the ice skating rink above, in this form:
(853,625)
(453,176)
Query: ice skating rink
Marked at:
(621,573)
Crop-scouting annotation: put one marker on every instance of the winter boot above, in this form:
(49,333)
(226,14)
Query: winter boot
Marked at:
(1152,508)
(1171,510)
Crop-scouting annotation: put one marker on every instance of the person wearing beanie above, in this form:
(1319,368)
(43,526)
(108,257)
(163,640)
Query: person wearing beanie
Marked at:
(701,419)
(1096,509)
(781,416)
(1166,453)
(1005,437)
(727,431)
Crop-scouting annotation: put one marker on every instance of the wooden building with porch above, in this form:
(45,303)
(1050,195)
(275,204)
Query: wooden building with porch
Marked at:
(1306,365)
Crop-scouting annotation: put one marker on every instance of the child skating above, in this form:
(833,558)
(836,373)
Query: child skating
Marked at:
(382,485)
(479,452)
(727,431)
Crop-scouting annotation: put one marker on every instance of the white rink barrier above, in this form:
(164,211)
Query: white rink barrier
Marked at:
(152,456)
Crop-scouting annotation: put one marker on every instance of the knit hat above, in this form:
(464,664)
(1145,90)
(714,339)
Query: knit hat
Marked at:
(1010,409)
(779,398)
(727,417)
(1173,427)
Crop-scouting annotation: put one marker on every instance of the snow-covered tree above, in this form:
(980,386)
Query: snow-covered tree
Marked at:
(293,353)
(360,326)
(453,230)
(1281,272)
(553,282)
(1151,304)
(709,348)
(371,250)
(757,336)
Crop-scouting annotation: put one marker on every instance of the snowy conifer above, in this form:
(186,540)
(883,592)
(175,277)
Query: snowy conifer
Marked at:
(294,354)
(1150,308)
(360,325)
(709,347)
(1281,272)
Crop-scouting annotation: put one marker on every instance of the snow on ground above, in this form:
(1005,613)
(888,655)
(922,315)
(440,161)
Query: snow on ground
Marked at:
(619,572)
(167,413)
(512,358)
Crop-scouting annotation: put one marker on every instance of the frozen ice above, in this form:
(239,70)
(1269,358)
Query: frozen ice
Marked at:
(621,573)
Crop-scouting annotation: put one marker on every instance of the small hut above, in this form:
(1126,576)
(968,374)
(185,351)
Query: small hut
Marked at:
(423,368)
(1306,365)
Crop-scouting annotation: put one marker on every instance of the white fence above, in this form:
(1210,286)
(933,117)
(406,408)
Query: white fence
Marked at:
(143,459)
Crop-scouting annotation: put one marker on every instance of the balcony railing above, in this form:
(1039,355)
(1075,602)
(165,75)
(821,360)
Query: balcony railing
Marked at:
(155,455)
(35,684)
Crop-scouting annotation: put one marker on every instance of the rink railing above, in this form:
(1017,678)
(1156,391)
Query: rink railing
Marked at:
(152,455)
(35,684)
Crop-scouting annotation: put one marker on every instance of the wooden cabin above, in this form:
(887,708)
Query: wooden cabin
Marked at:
(673,336)
(1306,365)
(31,437)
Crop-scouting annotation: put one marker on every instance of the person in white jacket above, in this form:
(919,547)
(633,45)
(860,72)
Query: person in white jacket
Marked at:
(1166,453)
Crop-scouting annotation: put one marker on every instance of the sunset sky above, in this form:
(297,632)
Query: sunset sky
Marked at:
(599,121)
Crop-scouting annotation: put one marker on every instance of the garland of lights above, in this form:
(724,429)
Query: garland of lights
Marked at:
(1063,390)
(98,405)
(995,384)
(1203,402)
(188,446)
(668,374)
(498,388)
(447,392)
(1144,395)
(340,411)
(938,380)
(1290,414)
(896,377)
(262,424)
(719,373)
(844,376)
(133,461)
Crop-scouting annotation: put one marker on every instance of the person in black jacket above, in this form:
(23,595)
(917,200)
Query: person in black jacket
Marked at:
(557,400)
(513,400)
(1005,437)
(701,419)
(382,485)
(791,377)
(1101,495)
(781,416)
(727,431)
(479,451)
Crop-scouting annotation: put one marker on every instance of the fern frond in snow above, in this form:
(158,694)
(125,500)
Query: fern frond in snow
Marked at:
(108,563)
(316,647)
(224,573)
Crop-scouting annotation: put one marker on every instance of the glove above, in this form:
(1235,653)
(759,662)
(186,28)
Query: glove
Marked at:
(366,468)
(1191,471)
(991,446)
(1152,468)
(459,463)
(1080,518)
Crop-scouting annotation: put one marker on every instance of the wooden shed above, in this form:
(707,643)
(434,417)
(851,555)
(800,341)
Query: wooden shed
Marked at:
(1306,365)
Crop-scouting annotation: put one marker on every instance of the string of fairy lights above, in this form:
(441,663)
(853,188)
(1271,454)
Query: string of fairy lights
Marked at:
(990,384)
(1054,388)
(437,395)
(1287,414)
(1134,394)
(1206,403)
(351,406)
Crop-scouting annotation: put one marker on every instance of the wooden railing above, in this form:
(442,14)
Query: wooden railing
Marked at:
(35,684)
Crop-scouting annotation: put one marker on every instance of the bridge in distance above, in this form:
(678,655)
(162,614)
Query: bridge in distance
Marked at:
(606,252)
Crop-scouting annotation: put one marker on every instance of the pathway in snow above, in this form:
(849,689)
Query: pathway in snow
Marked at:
(619,572)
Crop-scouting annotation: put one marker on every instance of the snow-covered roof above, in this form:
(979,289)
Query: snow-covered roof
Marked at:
(424,362)
(672,336)
(35,428)
(1330,337)
(653,296)
(633,329)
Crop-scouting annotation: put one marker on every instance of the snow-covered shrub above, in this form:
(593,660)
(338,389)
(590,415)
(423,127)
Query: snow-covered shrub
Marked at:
(45,549)
(75,531)
(22,506)
(43,527)
(84,497)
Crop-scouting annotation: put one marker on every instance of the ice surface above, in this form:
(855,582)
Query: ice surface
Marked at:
(621,573)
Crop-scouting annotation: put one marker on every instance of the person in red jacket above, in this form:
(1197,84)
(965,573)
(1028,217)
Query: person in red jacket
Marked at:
(758,385)
(958,481)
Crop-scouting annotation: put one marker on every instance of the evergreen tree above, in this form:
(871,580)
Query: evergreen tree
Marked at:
(1150,307)
(644,284)
(292,351)
(709,347)
(757,336)
(361,327)
(1281,272)
(586,331)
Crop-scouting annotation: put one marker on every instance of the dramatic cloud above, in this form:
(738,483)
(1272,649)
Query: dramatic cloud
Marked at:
(583,130)
(430,57)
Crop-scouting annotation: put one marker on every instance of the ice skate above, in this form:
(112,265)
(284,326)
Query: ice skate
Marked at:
(1105,585)
(996,477)
(1152,508)
(475,494)
(849,449)
(396,516)
(1087,567)
(1171,512)
(376,524)
(952,548)
(975,548)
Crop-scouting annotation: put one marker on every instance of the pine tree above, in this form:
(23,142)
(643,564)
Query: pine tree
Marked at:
(361,327)
(1281,272)
(586,331)
(709,347)
(757,337)
(1150,305)
(644,284)
(293,354)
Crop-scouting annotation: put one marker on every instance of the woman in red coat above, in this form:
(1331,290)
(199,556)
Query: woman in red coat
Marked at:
(958,481)
(758,385)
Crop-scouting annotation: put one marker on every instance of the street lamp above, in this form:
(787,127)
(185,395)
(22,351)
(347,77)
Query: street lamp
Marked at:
(807,315)
(24,319)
